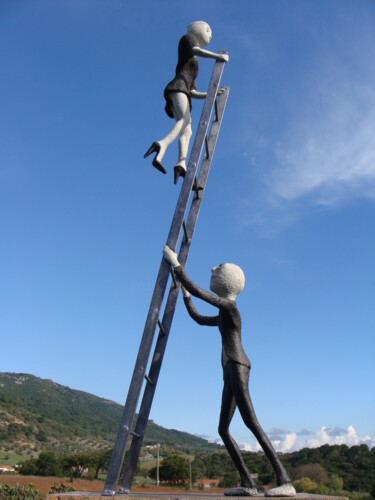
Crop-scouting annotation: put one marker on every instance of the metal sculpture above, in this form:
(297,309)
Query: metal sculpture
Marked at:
(193,189)
(227,282)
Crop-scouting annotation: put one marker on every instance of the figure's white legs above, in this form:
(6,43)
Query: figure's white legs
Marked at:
(181,112)
(183,145)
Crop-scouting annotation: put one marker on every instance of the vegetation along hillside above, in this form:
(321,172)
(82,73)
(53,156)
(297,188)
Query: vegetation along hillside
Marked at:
(57,431)
(39,415)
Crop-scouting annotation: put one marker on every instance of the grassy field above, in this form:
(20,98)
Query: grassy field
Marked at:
(10,458)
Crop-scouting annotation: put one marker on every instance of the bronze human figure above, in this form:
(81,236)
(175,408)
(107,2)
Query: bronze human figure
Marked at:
(227,281)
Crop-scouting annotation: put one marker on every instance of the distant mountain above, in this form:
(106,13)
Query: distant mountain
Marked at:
(39,414)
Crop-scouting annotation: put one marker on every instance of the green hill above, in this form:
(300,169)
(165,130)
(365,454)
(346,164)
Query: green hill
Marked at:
(38,415)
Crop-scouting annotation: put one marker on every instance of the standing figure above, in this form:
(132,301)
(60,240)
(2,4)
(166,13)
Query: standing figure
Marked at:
(227,281)
(178,94)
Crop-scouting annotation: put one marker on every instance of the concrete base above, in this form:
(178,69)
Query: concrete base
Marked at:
(86,495)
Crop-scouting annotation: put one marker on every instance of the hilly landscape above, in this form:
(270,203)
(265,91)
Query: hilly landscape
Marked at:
(39,415)
(52,430)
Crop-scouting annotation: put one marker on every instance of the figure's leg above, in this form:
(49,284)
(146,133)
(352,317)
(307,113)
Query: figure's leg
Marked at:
(239,382)
(181,113)
(228,406)
(183,146)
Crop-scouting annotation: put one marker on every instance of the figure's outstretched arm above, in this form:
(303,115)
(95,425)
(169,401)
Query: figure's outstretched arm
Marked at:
(195,290)
(193,313)
(198,51)
(198,95)
(191,287)
(202,95)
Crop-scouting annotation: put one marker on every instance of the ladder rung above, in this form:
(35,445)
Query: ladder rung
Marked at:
(196,188)
(173,278)
(126,429)
(149,380)
(185,231)
(161,327)
(206,144)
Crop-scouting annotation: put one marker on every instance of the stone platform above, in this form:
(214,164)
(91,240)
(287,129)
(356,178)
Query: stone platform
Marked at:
(86,495)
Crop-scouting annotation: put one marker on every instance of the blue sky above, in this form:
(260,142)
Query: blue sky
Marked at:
(290,198)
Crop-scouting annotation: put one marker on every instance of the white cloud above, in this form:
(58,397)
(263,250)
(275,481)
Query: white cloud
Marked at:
(323,153)
(258,447)
(329,153)
(293,441)
(288,443)
(245,446)
(348,437)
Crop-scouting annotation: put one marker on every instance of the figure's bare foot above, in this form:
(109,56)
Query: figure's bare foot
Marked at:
(285,490)
(241,492)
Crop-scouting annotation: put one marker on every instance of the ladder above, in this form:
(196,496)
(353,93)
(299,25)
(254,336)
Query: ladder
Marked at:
(191,187)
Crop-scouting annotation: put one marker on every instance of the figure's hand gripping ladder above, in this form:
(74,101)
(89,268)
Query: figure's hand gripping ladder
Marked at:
(212,102)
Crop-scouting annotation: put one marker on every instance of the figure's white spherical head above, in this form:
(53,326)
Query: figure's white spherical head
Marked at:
(201,31)
(227,280)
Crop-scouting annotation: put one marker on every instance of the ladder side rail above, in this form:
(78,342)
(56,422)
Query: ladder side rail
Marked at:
(212,139)
(126,422)
(143,415)
(136,383)
(162,340)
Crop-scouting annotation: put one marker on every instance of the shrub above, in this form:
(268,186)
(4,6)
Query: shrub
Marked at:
(315,472)
(230,479)
(60,488)
(305,485)
(336,482)
(16,492)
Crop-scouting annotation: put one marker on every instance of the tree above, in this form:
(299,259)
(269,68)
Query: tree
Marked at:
(174,469)
(28,468)
(230,479)
(305,485)
(76,464)
(45,465)
(215,465)
(41,436)
(336,482)
(198,468)
(315,472)
(48,465)
(14,429)
(100,460)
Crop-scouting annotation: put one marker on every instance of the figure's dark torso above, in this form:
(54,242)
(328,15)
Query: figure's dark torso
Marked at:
(186,71)
(228,320)
(230,329)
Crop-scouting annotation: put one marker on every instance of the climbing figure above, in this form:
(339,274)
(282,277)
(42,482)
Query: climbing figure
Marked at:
(227,282)
(178,94)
